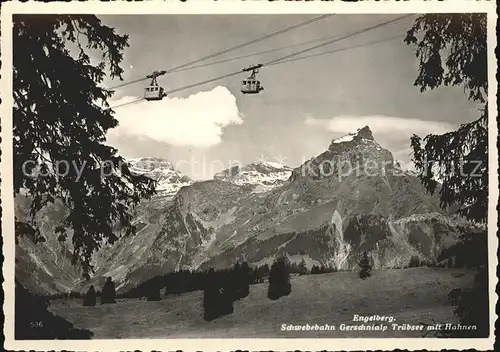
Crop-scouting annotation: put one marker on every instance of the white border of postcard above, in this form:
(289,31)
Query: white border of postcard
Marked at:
(235,7)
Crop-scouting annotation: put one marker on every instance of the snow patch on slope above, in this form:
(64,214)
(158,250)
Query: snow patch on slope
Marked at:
(361,133)
(347,138)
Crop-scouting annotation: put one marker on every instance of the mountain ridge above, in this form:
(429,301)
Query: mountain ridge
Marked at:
(350,198)
(169,180)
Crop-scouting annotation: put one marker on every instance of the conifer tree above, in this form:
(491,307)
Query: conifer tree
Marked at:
(314,270)
(234,282)
(90,298)
(210,297)
(365,266)
(458,159)
(153,293)
(303,267)
(108,292)
(245,279)
(279,278)
(60,121)
(414,262)
(217,297)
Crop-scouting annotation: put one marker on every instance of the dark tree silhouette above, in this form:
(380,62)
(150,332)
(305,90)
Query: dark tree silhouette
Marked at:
(365,267)
(152,288)
(302,267)
(243,280)
(314,270)
(60,125)
(264,272)
(210,297)
(108,293)
(34,321)
(90,298)
(260,273)
(458,158)
(279,278)
(154,294)
(183,281)
(414,261)
(233,282)
(217,297)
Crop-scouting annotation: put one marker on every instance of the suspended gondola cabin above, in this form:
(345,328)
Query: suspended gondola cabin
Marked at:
(251,85)
(154,91)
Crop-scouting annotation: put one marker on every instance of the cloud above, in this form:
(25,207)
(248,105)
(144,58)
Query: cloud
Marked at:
(381,125)
(197,120)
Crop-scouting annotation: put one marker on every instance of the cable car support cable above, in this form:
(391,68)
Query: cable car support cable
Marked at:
(225,51)
(279,60)
(361,31)
(322,39)
(342,49)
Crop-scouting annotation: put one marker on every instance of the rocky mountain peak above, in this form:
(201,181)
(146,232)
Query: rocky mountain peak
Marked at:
(365,133)
(362,134)
(352,151)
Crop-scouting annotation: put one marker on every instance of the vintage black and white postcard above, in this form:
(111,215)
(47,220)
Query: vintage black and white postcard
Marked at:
(223,175)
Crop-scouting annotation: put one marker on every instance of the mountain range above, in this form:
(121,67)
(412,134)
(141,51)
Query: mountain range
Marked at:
(260,176)
(169,180)
(351,198)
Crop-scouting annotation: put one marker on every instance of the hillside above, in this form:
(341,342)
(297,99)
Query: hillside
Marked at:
(45,267)
(410,296)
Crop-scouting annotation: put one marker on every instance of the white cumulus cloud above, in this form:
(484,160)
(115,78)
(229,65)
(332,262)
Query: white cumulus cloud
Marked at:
(197,120)
(380,124)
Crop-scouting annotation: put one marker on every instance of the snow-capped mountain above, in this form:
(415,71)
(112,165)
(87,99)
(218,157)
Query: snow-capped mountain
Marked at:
(264,175)
(162,171)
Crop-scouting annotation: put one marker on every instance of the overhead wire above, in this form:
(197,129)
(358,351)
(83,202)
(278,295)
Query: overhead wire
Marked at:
(323,39)
(127,103)
(225,51)
(334,40)
(210,80)
(204,82)
(283,59)
(273,50)
(341,49)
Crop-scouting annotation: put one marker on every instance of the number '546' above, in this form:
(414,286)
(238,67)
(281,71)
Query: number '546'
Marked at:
(36,324)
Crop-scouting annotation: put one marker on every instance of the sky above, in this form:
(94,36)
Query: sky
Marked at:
(304,105)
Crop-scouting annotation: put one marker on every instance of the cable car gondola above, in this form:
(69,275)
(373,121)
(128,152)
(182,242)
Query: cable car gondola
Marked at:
(154,91)
(251,85)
